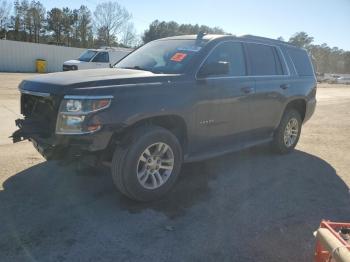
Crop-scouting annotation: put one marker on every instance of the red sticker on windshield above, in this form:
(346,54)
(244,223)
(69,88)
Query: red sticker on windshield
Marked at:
(178,57)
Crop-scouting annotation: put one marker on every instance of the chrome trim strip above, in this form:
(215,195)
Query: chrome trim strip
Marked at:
(235,77)
(77,133)
(33,93)
(292,62)
(242,42)
(87,97)
(123,85)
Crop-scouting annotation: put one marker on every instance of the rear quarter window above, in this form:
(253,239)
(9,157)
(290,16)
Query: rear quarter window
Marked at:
(301,62)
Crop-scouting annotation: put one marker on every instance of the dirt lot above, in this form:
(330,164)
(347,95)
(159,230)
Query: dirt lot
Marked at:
(246,206)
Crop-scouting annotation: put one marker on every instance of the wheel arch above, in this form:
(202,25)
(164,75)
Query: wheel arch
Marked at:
(171,122)
(298,104)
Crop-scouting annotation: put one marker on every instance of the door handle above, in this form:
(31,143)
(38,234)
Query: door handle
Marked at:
(246,89)
(285,86)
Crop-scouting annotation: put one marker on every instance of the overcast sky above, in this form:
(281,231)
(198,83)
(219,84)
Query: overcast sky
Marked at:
(328,21)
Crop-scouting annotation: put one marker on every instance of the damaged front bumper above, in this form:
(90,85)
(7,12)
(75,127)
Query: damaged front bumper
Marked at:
(40,112)
(28,128)
(59,147)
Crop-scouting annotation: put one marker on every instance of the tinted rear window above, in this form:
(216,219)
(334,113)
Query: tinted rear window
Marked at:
(301,62)
(263,60)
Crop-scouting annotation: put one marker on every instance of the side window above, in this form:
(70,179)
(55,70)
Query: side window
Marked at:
(301,62)
(101,57)
(263,60)
(231,52)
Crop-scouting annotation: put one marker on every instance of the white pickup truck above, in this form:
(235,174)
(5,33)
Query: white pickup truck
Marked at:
(96,58)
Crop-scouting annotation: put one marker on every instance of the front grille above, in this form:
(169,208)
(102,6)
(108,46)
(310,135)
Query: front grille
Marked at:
(69,67)
(40,110)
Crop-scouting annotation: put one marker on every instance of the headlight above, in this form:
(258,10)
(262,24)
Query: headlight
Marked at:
(75,109)
(74,105)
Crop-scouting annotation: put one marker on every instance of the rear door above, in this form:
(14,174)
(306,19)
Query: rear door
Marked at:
(223,114)
(266,66)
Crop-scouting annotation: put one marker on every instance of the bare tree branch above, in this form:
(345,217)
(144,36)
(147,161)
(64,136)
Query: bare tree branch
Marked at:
(5,9)
(112,17)
(129,37)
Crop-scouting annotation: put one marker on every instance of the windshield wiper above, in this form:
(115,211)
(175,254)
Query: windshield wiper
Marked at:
(141,69)
(136,68)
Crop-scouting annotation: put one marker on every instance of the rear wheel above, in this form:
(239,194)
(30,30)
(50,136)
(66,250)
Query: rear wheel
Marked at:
(287,135)
(148,166)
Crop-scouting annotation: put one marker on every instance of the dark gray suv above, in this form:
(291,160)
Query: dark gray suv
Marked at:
(173,100)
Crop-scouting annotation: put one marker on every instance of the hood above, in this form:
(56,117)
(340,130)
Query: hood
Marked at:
(105,77)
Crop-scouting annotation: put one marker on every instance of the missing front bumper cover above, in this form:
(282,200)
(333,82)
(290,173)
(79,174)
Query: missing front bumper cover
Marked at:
(29,128)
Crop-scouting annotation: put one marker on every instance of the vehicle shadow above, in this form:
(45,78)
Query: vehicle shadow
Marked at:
(246,206)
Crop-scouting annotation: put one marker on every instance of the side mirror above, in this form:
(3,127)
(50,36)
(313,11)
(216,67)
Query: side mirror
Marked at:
(215,68)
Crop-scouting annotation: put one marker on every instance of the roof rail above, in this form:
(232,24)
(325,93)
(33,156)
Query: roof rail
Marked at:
(266,39)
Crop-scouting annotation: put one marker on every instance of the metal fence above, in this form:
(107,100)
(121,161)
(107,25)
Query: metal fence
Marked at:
(21,56)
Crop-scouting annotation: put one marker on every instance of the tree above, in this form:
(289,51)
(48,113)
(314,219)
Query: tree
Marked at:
(110,18)
(5,9)
(36,13)
(103,38)
(67,23)
(129,38)
(301,39)
(84,24)
(158,29)
(280,38)
(336,61)
(347,62)
(320,57)
(19,21)
(55,22)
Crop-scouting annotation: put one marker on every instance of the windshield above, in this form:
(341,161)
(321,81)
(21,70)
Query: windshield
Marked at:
(164,56)
(87,55)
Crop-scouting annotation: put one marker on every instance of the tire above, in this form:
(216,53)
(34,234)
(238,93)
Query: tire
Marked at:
(132,172)
(280,144)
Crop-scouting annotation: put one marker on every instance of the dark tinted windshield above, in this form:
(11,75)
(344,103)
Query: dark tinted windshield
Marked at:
(164,56)
(87,55)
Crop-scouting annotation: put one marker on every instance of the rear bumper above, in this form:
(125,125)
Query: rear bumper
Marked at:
(310,109)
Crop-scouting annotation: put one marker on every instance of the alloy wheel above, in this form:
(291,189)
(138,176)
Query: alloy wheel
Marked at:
(291,132)
(155,165)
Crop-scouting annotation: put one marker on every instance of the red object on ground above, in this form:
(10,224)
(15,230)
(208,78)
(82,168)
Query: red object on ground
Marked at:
(322,255)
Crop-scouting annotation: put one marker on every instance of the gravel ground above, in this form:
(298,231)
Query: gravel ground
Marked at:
(247,206)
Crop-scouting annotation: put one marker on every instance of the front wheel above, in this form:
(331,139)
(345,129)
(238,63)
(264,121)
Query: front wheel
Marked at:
(148,166)
(287,134)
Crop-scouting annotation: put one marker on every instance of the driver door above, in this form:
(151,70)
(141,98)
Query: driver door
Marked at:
(223,114)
